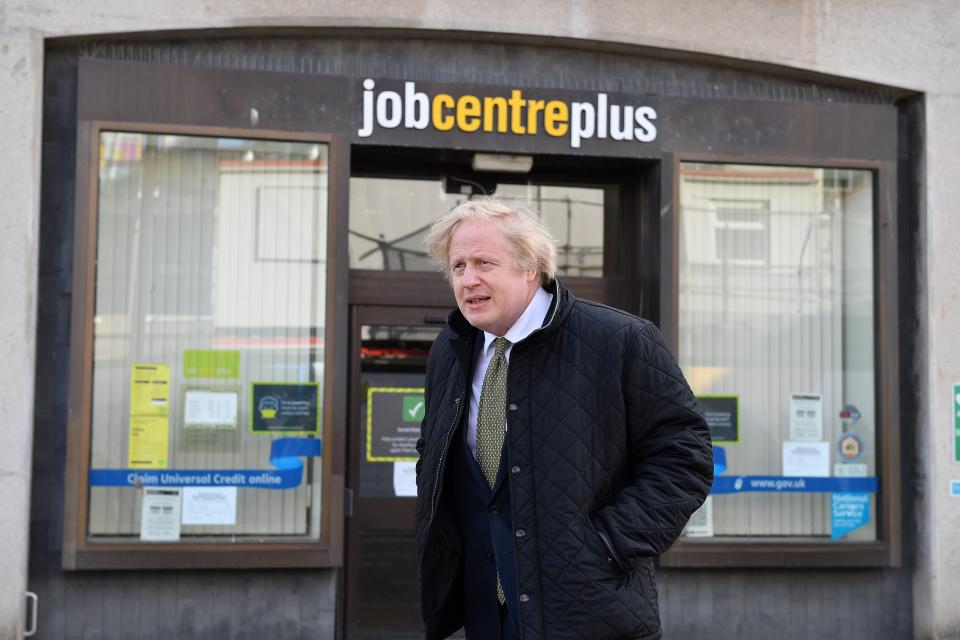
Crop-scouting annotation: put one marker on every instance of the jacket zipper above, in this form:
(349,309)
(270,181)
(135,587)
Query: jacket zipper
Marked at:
(443,454)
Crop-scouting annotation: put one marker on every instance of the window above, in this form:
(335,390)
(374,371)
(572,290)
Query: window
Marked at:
(776,336)
(207,380)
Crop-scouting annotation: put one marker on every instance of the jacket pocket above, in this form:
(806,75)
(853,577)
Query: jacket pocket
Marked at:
(600,550)
(613,558)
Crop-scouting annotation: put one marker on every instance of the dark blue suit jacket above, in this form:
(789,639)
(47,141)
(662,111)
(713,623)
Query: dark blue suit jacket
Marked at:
(487,536)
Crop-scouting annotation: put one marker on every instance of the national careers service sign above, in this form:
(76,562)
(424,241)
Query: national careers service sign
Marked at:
(507,111)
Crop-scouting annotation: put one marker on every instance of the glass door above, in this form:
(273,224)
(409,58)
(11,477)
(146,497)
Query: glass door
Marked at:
(389,350)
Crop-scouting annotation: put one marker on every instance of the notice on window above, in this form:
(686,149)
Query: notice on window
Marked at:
(850,470)
(405,479)
(211,363)
(806,417)
(700,524)
(722,414)
(281,407)
(848,512)
(393,423)
(203,409)
(149,441)
(806,459)
(149,390)
(160,514)
(209,506)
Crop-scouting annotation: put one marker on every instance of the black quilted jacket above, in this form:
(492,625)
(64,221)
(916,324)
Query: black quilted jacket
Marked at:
(608,455)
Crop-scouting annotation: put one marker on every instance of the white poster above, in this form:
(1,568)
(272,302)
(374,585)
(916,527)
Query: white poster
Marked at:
(806,459)
(160,515)
(700,524)
(405,478)
(211,409)
(850,470)
(806,417)
(209,505)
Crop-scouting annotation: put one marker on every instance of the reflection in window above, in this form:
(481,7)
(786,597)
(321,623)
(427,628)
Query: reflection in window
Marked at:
(742,229)
(574,216)
(390,217)
(776,312)
(211,267)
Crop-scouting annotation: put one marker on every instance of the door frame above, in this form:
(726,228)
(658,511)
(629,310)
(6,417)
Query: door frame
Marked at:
(631,281)
(357,512)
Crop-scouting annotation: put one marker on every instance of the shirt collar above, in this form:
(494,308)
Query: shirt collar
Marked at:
(529,321)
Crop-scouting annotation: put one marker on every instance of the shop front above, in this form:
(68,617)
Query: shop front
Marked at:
(248,307)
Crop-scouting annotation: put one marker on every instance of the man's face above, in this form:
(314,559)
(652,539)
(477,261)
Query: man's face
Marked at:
(491,292)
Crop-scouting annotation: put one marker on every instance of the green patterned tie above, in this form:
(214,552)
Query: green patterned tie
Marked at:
(490,420)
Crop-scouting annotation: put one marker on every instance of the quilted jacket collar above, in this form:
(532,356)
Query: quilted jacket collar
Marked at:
(559,309)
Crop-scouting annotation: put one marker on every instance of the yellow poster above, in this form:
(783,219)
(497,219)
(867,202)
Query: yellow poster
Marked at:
(149,421)
(148,442)
(149,390)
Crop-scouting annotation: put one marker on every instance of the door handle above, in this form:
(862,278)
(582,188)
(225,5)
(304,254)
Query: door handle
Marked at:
(32,597)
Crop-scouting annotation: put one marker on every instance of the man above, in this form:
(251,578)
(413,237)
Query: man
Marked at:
(561,450)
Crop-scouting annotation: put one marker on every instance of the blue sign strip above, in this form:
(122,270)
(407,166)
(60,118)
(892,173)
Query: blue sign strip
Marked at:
(786,484)
(285,454)
(783,484)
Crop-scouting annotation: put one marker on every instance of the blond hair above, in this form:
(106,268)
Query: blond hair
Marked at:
(529,240)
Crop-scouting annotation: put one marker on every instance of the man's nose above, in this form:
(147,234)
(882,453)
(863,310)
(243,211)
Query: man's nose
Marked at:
(469,277)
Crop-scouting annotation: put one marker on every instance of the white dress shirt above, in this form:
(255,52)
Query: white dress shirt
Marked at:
(529,321)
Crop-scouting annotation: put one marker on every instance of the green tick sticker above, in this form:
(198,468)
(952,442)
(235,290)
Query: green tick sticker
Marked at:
(413,408)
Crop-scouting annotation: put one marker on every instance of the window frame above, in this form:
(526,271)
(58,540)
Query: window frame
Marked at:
(886,551)
(79,553)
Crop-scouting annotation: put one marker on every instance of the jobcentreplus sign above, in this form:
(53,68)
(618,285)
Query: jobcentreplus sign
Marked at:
(513,115)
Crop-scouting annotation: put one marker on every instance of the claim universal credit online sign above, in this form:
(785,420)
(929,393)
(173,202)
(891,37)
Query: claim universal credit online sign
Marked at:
(285,456)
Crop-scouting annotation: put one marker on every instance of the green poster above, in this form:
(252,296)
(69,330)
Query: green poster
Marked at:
(211,363)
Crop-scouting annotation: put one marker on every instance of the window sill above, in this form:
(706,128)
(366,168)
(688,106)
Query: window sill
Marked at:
(733,553)
(204,556)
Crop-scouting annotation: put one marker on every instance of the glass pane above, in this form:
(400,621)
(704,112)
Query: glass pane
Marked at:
(574,216)
(390,217)
(208,334)
(393,364)
(776,338)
